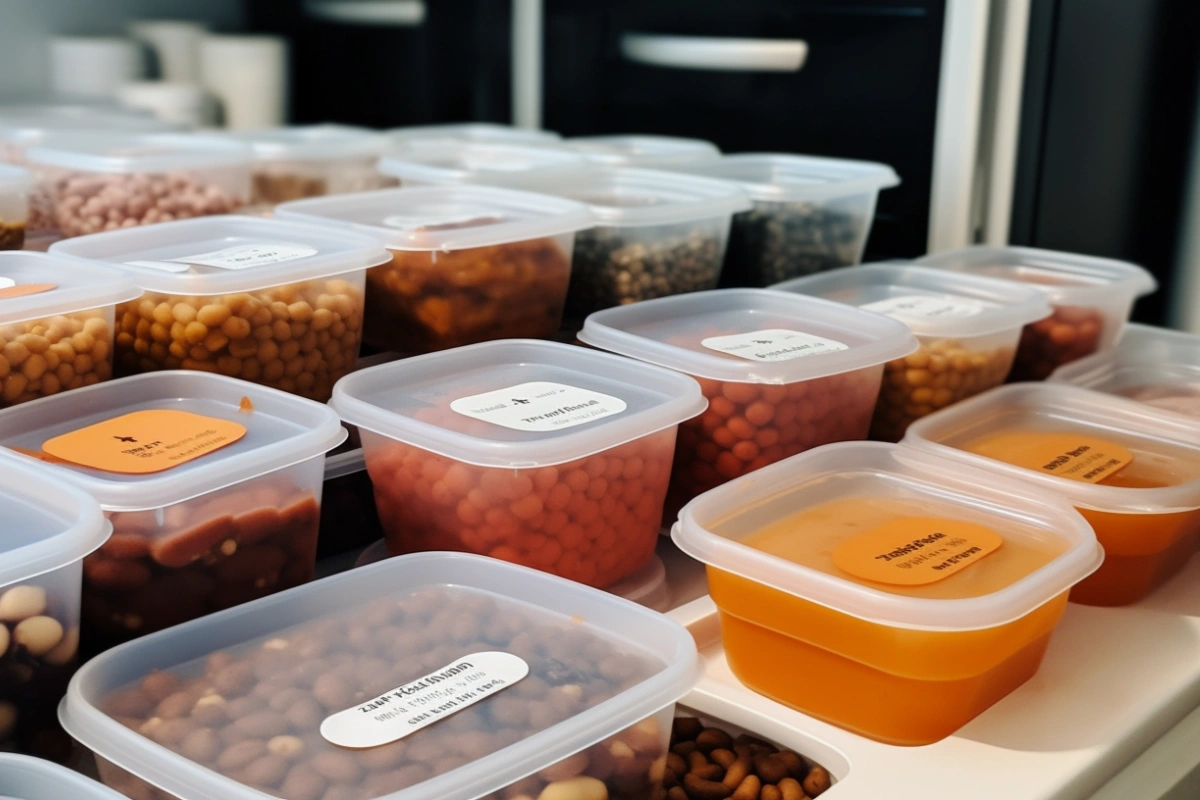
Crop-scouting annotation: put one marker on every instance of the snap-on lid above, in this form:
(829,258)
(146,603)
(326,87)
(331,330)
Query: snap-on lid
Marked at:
(782,178)
(37,285)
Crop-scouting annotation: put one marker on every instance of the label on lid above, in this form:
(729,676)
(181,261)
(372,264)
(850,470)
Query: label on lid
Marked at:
(9,288)
(773,344)
(915,551)
(919,307)
(539,406)
(1076,457)
(144,442)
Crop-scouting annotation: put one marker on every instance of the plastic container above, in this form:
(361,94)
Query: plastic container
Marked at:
(28,124)
(1131,470)
(270,302)
(235,522)
(469,263)
(25,778)
(968,328)
(56,324)
(1092,299)
(539,453)
(915,591)
(472,132)
(14,206)
(782,373)
(810,214)
(437,163)
(571,690)
(642,151)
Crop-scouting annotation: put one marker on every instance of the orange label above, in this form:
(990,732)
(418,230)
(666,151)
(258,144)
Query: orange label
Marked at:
(1068,455)
(27,289)
(914,551)
(145,442)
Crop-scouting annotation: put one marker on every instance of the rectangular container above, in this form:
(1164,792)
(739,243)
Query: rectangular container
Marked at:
(231,525)
(274,303)
(25,126)
(968,328)
(469,263)
(642,150)
(1092,299)
(251,694)
(25,778)
(782,373)
(472,132)
(800,566)
(439,162)
(1146,515)
(14,206)
(540,453)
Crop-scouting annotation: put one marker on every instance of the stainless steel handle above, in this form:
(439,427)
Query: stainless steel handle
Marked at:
(715,52)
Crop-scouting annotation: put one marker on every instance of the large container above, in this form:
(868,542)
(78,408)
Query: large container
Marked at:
(469,263)
(275,303)
(25,778)
(540,453)
(14,206)
(968,328)
(437,163)
(913,591)
(489,681)
(782,373)
(1131,470)
(642,151)
(1092,299)
(213,487)
(472,132)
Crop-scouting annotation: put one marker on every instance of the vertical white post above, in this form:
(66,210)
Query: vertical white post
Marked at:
(527,63)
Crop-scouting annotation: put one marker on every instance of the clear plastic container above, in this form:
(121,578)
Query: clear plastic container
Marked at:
(469,263)
(27,125)
(237,522)
(437,163)
(782,373)
(1092,299)
(472,132)
(968,328)
(1131,470)
(14,206)
(275,303)
(539,453)
(25,778)
(56,324)
(810,214)
(643,151)
(571,692)
(914,591)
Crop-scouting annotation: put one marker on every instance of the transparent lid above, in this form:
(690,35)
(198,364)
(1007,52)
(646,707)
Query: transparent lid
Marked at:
(749,335)
(325,142)
(918,493)
(27,778)
(13,179)
(443,217)
(931,302)
(781,177)
(630,662)
(36,285)
(137,152)
(221,254)
(27,125)
(516,402)
(473,132)
(642,151)
(440,162)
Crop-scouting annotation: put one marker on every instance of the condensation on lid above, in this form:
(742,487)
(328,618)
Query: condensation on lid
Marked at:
(71,286)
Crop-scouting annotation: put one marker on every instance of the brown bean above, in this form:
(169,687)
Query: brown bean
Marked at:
(42,357)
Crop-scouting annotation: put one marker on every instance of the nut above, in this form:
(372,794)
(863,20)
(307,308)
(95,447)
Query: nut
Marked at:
(38,635)
(759,769)
(43,357)
(22,602)
(1070,333)
(773,242)
(12,235)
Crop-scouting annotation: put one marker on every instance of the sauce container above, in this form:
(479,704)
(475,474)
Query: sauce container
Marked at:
(782,373)
(1131,470)
(472,132)
(437,163)
(540,453)
(14,206)
(425,677)
(1092,299)
(642,151)
(274,303)
(25,778)
(212,485)
(914,591)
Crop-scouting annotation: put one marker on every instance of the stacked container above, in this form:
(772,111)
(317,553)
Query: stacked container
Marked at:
(643,151)
(440,162)
(14,206)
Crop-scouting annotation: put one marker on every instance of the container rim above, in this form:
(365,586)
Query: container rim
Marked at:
(790,177)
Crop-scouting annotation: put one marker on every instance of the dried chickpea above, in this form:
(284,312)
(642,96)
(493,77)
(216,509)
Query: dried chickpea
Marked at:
(43,357)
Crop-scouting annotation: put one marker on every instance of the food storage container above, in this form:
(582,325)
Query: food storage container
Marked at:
(968,327)
(914,591)
(810,214)
(213,487)
(427,677)
(25,126)
(25,778)
(48,528)
(642,151)
(1131,470)
(469,263)
(56,324)
(14,206)
(270,302)
(782,373)
(426,163)
(472,132)
(1092,298)
(540,453)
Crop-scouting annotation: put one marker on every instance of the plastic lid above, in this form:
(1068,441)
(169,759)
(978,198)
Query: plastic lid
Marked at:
(27,778)
(559,402)
(281,430)
(662,655)
(646,587)
(326,142)
(473,132)
(440,162)
(828,338)
(443,217)
(642,150)
(931,302)
(783,178)
(13,179)
(29,125)
(69,286)
(222,254)
(136,153)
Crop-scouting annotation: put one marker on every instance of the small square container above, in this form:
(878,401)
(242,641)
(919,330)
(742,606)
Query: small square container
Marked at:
(810,214)
(968,328)
(1091,297)
(1131,470)
(56,324)
(539,453)
(275,303)
(25,778)
(472,132)
(438,675)
(14,206)
(236,522)
(642,151)
(469,263)
(782,373)
(437,163)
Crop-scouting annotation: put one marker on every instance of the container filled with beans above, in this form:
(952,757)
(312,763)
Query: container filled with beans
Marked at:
(480,132)
(642,150)
(782,373)
(25,126)
(1091,299)
(14,206)
(274,303)
(539,453)
(212,485)
(468,263)
(26,778)
(968,327)
(426,677)
(437,162)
